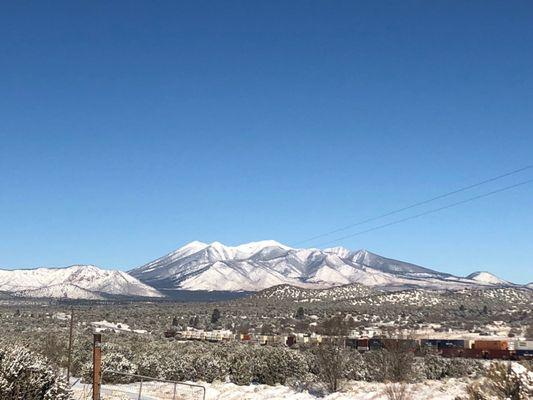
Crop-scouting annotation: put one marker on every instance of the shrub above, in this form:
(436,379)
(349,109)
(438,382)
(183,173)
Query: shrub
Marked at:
(391,366)
(437,367)
(503,381)
(113,360)
(24,375)
(397,391)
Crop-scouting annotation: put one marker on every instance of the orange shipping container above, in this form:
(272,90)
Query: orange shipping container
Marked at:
(491,345)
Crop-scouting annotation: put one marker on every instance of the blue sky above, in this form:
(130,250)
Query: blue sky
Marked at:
(130,128)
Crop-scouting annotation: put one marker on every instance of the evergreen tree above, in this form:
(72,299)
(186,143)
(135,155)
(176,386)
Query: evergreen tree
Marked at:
(215,316)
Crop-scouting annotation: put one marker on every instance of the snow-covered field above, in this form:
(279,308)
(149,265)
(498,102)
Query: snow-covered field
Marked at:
(437,390)
(354,390)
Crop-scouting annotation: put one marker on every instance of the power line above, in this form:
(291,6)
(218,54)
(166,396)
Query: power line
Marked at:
(429,212)
(420,203)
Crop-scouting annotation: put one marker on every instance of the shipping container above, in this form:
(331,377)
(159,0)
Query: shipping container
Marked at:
(491,345)
(523,345)
(375,344)
(454,343)
(363,345)
(430,343)
(351,342)
(400,344)
(524,354)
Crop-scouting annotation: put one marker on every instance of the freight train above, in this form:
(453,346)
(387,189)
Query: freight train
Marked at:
(481,349)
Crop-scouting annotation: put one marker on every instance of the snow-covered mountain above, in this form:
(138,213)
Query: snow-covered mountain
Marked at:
(74,282)
(487,277)
(259,265)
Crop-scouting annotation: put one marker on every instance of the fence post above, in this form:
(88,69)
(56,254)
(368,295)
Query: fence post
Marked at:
(140,389)
(70,343)
(97,365)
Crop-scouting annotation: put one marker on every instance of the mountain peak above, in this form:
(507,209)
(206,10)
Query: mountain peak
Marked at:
(340,251)
(486,277)
(251,245)
(258,265)
(195,244)
(261,245)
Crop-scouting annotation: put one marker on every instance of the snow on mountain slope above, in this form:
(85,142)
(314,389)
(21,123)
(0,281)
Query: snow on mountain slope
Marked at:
(76,282)
(359,295)
(298,294)
(61,291)
(383,264)
(259,265)
(486,277)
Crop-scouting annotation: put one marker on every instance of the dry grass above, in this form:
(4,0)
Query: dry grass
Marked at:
(397,391)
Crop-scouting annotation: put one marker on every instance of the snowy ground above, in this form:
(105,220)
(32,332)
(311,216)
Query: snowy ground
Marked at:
(354,390)
(102,326)
(437,390)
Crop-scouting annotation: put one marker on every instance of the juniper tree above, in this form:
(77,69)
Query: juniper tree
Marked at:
(215,316)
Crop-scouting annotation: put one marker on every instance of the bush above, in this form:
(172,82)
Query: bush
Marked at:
(503,381)
(355,368)
(24,375)
(113,360)
(240,371)
(389,366)
(437,367)
(397,391)
(331,362)
(198,361)
(462,367)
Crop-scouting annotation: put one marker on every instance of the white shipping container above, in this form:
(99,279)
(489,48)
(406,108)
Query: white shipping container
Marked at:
(523,345)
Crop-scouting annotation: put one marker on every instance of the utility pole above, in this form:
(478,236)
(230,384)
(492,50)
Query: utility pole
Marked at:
(70,343)
(97,365)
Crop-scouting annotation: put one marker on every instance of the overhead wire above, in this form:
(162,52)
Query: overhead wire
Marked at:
(417,204)
(432,211)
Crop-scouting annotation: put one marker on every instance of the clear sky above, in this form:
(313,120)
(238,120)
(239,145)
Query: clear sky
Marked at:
(128,128)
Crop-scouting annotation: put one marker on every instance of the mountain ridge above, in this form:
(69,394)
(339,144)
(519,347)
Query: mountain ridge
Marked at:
(251,267)
(258,265)
(73,282)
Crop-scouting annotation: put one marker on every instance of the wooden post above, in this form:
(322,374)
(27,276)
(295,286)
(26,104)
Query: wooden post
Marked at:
(70,343)
(97,365)
(140,390)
